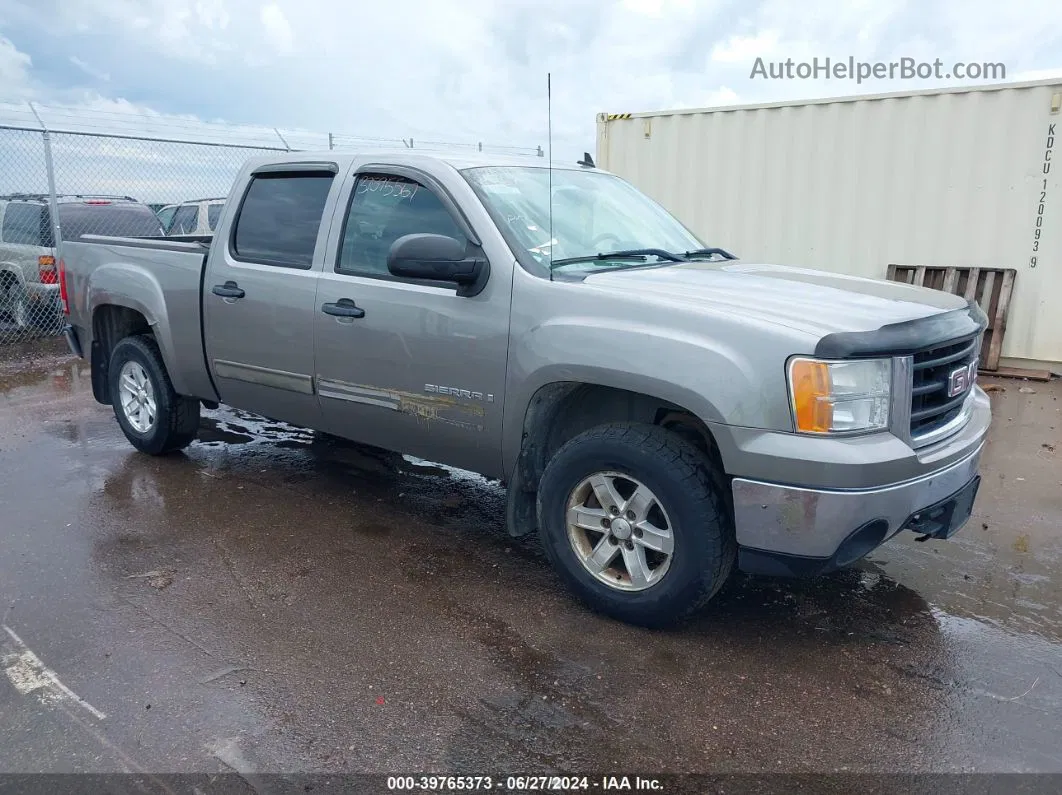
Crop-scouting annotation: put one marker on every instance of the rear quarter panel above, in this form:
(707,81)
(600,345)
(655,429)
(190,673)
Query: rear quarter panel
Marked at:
(162,285)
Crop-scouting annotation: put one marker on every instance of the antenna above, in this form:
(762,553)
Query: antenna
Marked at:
(549,165)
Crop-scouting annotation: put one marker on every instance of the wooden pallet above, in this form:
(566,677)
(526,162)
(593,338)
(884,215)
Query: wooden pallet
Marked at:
(1025,373)
(990,287)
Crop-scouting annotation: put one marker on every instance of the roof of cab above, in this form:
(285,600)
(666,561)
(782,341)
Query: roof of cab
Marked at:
(412,157)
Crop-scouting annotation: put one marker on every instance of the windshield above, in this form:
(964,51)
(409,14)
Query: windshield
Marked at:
(593,213)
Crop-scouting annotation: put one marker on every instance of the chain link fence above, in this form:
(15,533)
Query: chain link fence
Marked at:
(142,177)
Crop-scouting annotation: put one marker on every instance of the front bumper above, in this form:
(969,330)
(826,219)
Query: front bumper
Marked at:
(810,528)
(795,531)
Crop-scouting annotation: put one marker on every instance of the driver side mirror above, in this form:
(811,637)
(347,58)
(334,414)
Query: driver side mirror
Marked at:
(439,258)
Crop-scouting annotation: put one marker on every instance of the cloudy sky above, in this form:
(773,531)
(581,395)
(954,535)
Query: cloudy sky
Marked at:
(473,70)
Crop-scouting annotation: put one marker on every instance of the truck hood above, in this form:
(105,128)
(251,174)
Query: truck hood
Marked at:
(815,302)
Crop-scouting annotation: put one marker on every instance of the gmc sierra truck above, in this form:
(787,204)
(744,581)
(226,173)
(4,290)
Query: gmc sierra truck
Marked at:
(660,411)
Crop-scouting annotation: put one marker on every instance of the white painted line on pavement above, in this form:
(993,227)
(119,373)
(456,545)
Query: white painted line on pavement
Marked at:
(30,675)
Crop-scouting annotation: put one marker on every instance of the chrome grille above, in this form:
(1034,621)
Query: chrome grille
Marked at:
(932,372)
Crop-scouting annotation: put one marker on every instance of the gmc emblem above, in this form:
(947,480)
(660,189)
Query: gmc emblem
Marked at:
(961,378)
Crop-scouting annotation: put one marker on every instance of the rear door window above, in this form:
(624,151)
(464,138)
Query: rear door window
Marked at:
(185,220)
(23,224)
(280,217)
(116,220)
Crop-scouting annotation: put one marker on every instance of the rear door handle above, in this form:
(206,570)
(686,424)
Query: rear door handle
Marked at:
(228,290)
(344,307)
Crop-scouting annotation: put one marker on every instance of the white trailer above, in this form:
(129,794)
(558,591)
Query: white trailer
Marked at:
(950,178)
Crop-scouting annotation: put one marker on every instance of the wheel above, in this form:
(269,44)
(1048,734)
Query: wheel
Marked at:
(635,524)
(154,418)
(16,303)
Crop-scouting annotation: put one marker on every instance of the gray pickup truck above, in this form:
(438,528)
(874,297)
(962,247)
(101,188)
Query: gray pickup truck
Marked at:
(659,411)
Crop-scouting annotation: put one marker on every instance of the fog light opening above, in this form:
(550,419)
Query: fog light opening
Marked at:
(861,542)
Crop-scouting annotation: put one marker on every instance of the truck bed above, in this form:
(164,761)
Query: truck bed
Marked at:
(189,243)
(161,278)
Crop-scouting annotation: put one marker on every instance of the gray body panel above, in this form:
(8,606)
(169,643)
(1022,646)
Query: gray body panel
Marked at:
(160,279)
(814,522)
(855,462)
(260,348)
(373,372)
(451,378)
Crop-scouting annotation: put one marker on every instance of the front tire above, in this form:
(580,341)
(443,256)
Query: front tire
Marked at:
(635,523)
(154,418)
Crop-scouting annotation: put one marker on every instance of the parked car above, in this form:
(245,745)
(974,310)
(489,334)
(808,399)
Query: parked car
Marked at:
(659,411)
(29,282)
(197,217)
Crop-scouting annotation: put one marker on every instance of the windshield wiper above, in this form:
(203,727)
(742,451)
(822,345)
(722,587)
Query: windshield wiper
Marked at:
(638,254)
(708,252)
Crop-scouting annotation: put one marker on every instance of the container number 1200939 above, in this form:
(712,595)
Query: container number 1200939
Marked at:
(1038,230)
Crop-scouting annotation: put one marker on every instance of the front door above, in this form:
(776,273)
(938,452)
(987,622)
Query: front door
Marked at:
(259,292)
(410,366)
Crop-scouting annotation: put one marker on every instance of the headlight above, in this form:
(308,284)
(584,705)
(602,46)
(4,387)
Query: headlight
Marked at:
(835,397)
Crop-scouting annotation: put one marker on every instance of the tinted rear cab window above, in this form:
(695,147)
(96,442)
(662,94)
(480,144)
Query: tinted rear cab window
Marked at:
(280,218)
(116,220)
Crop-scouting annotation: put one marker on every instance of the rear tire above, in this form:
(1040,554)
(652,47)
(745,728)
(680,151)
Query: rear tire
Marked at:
(15,302)
(153,417)
(688,517)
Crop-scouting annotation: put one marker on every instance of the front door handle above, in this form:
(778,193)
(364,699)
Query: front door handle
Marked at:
(228,290)
(344,307)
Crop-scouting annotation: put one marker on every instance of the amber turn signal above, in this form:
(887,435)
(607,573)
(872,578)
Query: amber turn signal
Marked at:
(812,405)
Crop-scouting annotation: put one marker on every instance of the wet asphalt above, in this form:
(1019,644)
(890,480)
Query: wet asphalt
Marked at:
(273,600)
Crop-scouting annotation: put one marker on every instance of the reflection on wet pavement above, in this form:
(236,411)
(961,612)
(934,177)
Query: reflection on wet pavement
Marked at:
(309,604)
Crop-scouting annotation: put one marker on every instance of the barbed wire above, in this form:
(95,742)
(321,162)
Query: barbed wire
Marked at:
(67,171)
(151,126)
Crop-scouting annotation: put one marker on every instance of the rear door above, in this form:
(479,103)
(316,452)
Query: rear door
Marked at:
(259,290)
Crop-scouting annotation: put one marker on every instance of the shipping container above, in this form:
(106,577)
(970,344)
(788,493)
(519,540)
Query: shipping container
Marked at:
(951,178)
